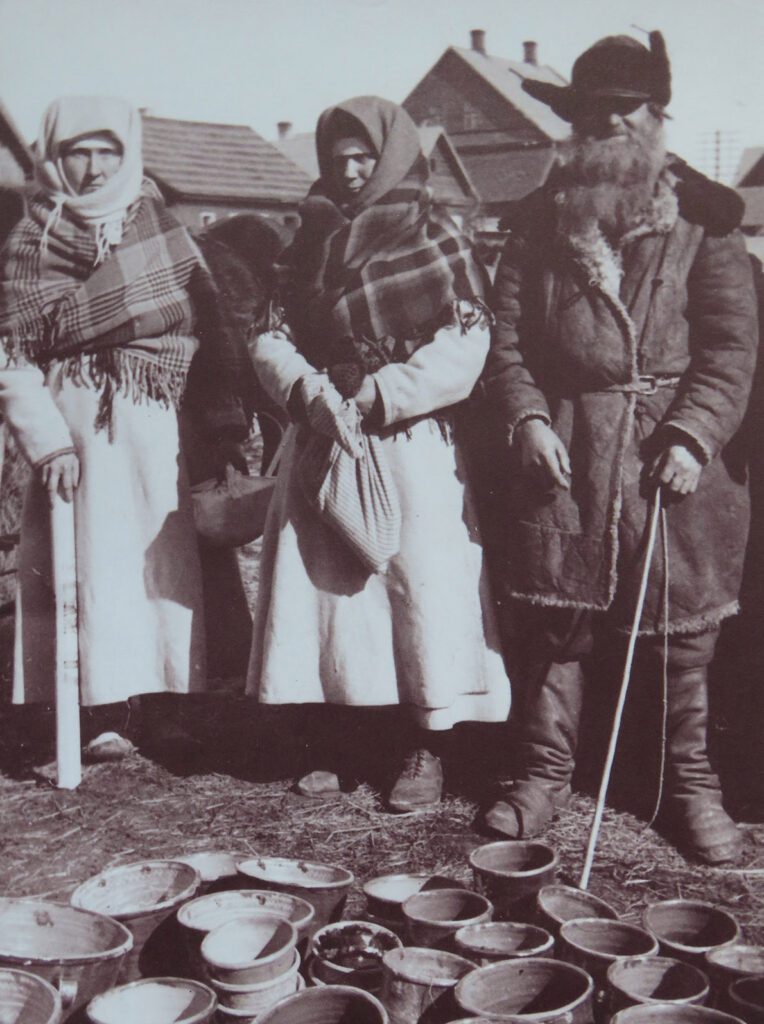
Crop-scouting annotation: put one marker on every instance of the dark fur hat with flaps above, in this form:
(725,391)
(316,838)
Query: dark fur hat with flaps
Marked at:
(617,67)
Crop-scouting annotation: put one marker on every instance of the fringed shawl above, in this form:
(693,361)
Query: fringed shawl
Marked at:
(124,324)
(374,278)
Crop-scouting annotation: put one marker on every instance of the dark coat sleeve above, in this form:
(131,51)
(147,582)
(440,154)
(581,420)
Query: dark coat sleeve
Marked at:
(507,380)
(722,313)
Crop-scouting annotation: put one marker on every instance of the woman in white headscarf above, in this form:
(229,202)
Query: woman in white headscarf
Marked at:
(99,322)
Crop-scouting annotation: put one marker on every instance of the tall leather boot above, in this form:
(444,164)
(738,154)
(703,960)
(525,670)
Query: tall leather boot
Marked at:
(551,716)
(693,811)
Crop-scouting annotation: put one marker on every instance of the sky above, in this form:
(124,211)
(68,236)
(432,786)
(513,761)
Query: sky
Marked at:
(257,62)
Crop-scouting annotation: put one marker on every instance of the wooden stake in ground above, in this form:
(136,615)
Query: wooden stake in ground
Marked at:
(68,765)
(600,807)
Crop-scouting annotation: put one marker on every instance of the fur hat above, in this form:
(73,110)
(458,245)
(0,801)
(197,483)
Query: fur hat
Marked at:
(615,68)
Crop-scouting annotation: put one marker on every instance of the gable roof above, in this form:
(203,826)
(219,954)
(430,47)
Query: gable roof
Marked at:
(750,166)
(14,140)
(508,173)
(449,178)
(219,162)
(505,78)
(753,198)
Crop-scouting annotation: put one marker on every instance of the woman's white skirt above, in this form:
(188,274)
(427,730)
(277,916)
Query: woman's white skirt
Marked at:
(422,633)
(140,617)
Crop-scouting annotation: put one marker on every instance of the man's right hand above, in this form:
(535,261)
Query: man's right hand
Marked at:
(543,454)
(60,476)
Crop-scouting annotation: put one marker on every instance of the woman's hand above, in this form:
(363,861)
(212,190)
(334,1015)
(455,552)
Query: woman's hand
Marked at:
(60,475)
(366,396)
(543,453)
(677,469)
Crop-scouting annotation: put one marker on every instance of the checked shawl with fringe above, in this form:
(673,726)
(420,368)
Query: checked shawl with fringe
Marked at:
(124,325)
(377,285)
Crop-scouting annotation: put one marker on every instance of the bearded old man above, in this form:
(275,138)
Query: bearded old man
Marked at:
(621,362)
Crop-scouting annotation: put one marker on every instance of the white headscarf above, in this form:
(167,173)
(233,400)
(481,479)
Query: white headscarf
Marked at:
(104,210)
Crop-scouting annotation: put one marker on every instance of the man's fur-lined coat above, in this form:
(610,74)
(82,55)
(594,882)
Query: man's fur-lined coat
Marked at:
(573,317)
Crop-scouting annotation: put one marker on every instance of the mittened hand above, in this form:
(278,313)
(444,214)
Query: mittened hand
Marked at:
(329,414)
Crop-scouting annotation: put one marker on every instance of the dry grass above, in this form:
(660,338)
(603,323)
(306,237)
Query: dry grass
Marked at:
(239,799)
(52,840)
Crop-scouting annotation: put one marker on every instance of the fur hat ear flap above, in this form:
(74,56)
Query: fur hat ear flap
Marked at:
(661,69)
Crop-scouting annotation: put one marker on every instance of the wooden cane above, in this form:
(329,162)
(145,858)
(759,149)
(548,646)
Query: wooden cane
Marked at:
(68,765)
(600,807)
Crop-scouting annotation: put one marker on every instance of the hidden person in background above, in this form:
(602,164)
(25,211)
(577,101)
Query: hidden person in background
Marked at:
(383,320)
(621,362)
(103,301)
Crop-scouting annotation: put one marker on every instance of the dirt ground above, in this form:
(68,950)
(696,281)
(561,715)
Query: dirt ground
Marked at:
(237,795)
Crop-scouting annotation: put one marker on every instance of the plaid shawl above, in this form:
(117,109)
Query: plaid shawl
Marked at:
(124,325)
(376,277)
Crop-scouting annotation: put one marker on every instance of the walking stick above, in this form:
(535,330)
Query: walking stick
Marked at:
(68,766)
(600,807)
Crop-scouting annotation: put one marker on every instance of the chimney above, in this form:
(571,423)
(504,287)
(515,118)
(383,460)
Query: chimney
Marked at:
(477,36)
(530,52)
(283,128)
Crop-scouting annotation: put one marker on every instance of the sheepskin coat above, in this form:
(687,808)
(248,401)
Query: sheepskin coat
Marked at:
(578,323)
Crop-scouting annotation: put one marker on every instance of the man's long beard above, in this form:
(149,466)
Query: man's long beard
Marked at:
(608,184)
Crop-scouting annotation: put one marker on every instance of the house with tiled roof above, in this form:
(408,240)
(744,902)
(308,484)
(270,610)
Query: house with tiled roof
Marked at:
(15,172)
(452,189)
(749,182)
(505,138)
(210,171)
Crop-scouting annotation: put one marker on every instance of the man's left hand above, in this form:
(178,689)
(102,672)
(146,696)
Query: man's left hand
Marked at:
(677,469)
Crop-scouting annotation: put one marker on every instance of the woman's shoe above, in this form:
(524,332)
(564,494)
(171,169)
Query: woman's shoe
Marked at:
(419,784)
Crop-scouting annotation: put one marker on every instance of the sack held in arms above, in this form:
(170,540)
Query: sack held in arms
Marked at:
(356,497)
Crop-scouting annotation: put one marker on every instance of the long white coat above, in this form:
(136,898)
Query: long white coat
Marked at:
(421,633)
(140,617)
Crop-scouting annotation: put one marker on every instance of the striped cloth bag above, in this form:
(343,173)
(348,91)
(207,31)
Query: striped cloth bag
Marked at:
(355,496)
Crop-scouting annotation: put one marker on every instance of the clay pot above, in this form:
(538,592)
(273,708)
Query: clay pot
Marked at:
(200,916)
(688,929)
(728,963)
(502,940)
(386,894)
(594,943)
(27,999)
(332,1004)
(78,952)
(324,886)
(670,1013)
(432,918)
(249,949)
(746,999)
(158,1000)
(226,1015)
(654,979)
(418,984)
(558,903)
(141,896)
(217,869)
(538,989)
(511,873)
(350,953)
(261,995)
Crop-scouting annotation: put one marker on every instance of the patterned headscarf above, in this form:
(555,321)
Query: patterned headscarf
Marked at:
(104,210)
(382,272)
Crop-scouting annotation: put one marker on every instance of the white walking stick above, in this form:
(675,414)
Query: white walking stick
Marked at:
(600,807)
(68,766)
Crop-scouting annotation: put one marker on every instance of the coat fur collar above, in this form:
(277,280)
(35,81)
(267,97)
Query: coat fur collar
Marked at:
(603,261)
